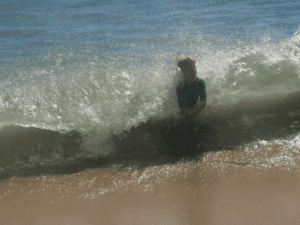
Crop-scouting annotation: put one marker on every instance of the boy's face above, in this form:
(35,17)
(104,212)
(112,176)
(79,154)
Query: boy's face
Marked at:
(188,68)
(188,76)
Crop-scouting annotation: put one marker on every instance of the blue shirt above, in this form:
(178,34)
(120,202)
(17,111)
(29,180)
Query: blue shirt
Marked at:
(188,94)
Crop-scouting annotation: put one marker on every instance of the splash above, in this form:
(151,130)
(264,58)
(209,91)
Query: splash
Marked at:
(97,95)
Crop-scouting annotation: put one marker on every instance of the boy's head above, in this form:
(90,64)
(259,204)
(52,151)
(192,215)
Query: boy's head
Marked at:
(187,66)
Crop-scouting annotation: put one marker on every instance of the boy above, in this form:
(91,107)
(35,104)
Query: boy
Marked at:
(190,89)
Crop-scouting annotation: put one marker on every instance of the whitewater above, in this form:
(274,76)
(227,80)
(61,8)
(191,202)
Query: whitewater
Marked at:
(86,99)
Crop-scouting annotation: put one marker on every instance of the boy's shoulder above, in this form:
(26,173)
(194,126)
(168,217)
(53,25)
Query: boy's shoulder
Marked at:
(178,78)
(200,81)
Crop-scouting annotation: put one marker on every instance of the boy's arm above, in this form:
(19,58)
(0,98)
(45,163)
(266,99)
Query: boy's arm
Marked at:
(198,107)
(201,102)
(194,110)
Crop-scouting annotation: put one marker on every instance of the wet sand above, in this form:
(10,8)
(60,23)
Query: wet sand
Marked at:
(241,187)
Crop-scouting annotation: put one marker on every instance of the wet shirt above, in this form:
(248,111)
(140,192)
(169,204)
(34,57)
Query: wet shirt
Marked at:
(188,94)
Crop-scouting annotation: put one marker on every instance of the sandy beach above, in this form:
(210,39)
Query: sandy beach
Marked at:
(228,187)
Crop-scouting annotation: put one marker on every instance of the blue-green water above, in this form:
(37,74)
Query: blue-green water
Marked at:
(103,67)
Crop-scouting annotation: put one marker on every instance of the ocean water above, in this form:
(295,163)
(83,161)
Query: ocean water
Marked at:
(86,84)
